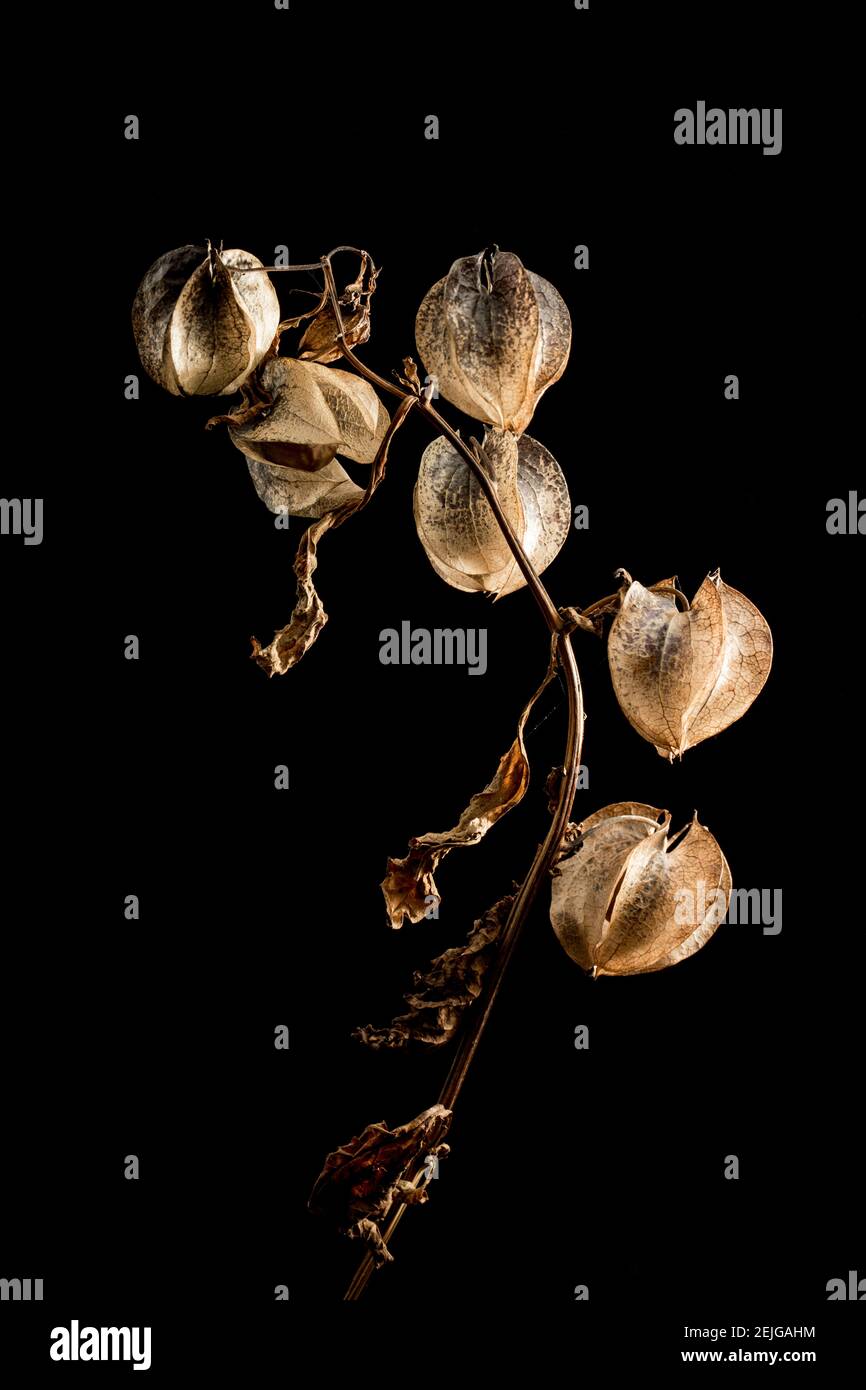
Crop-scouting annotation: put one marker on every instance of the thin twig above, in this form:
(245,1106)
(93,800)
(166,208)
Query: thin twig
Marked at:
(309,265)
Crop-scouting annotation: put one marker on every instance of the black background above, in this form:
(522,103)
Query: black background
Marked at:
(262,907)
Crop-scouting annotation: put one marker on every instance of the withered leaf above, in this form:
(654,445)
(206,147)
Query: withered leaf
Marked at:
(495,336)
(627,899)
(683,677)
(446,989)
(455,523)
(343,498)
(361,1181)
(308,615)
(317,413)
(199,329)
(320,342)
(409,883)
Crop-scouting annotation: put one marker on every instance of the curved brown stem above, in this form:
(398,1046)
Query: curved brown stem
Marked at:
(278,269)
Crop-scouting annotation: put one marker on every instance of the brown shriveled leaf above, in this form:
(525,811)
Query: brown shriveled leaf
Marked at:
(627,899)
(308,616)
(320,342)
(344,498)
(409,376)
(683,677)
(446,989)
(317,413)
(361,1180)
(495,336)
(199,329)
(409,882)
(456,525)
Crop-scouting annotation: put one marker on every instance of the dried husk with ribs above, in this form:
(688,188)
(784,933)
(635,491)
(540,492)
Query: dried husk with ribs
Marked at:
(628,899)
(315,413)
(495,336)
(457,527)
(199,329)
(683,677)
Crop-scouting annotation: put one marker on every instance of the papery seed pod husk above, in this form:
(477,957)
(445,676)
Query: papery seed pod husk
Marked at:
(455,523)
(627,899)
(317,413)
(199,329)
(297,492)
(683,677)
(495,336)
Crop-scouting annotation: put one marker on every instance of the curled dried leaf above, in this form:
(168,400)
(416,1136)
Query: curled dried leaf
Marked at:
(282,489)
(627,899)
(320,342)
(495,336)
(683,677)
(446,989)
(361,1181)
(409,884)
(308,616)
(199,329)
(317,412)
(455,523)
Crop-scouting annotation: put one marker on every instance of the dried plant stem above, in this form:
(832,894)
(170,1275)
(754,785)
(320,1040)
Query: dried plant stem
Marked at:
(560,625)
(308,265)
